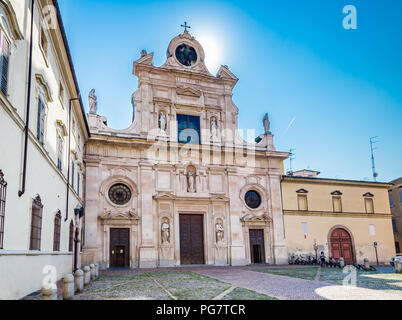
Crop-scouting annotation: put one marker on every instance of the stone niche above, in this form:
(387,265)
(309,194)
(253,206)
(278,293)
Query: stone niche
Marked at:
(166,235)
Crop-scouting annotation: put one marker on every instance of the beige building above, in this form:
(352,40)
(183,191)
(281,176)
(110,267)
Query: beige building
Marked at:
(153,199)
(343,218)
(39,192)
(395,201)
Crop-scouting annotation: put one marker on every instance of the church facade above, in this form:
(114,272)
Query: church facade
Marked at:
(180,185)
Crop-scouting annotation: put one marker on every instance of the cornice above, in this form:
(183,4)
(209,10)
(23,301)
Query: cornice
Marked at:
(336,214)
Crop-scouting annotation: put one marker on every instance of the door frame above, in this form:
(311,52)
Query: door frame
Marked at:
(204,234)
(263,250)
(128,255)
(339,226)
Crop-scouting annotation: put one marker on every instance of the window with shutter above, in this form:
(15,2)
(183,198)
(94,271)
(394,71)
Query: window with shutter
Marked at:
(40,122)
(36,224)
(72,174)
(57,229)
(4,62)
(71,237)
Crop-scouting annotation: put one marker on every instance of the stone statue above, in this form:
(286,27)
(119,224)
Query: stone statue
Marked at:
(190,182)
(219,231)
(267,124)
(162,122)
(165,232)
(93,102)
(214,128)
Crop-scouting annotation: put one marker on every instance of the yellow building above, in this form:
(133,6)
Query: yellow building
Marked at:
(343,218)
(395,201)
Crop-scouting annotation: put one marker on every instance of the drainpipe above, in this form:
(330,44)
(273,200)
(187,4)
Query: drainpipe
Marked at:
(69,155)
(24,174)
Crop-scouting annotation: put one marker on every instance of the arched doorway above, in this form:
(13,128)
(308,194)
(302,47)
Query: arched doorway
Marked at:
(341,245)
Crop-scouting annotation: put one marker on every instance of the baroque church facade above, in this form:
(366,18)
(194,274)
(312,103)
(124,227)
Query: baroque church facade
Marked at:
(180,185)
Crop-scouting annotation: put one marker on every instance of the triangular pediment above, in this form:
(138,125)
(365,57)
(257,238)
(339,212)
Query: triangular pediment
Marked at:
(225,73)
(302,191)
(368,194)
(336,193)
(188,92)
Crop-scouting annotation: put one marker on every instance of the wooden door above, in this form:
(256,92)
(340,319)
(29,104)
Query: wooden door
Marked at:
(119,247)
(341,245)
(191,239)
(257,248)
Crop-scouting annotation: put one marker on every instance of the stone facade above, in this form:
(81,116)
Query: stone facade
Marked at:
(167,178)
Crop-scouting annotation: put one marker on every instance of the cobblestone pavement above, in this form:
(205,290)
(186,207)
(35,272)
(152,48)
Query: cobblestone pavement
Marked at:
(286,288)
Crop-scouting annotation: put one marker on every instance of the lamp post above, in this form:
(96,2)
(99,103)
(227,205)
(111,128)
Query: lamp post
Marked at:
(78,212)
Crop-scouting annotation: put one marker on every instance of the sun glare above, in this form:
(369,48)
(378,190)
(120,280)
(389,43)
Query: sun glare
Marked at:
(213,50)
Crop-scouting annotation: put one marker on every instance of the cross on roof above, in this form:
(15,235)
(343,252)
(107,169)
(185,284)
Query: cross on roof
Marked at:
(185,26)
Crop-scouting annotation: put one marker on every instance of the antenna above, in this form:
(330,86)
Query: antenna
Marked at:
(291,158)
(372,142)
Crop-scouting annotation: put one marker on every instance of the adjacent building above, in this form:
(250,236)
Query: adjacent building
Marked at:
(343,218)
(395,202)
(42,174)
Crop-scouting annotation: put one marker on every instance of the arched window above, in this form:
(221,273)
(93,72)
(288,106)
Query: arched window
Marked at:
(57,229)
(71,237)
(36,223)
(3,189)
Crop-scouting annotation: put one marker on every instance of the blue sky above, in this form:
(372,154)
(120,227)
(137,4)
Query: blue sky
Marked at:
(336,87)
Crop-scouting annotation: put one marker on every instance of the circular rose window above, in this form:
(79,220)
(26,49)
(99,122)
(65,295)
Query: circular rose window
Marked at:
(119,194)
(253,199)
(186,55)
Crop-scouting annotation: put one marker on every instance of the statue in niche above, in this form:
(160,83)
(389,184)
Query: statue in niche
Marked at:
(191,181)
(219,231)
(162,122)
(267,124)
(93,102)
(165,232)
(214,128)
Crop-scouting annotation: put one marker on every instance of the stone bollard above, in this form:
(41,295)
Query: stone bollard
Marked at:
(49,293)
(366,264)
(96,270)
(341,262)
(398,266)
(79,280)
(87,276)
(92,266)
(68,287)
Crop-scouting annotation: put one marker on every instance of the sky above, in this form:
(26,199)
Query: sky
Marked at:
(327,89)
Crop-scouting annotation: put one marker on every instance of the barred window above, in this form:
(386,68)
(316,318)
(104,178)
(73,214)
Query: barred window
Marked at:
(71,237)
(57,229)
(3,189)
(4,62)
(36,224)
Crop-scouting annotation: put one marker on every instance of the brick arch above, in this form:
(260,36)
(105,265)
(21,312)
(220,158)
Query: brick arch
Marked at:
(352,242)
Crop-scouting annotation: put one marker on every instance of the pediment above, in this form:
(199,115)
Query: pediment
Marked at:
(302,191)
(336,193)
(253,218)
(188,92)
(368,194)
(225,73)
(130,214)
(165,195)
(42,82)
